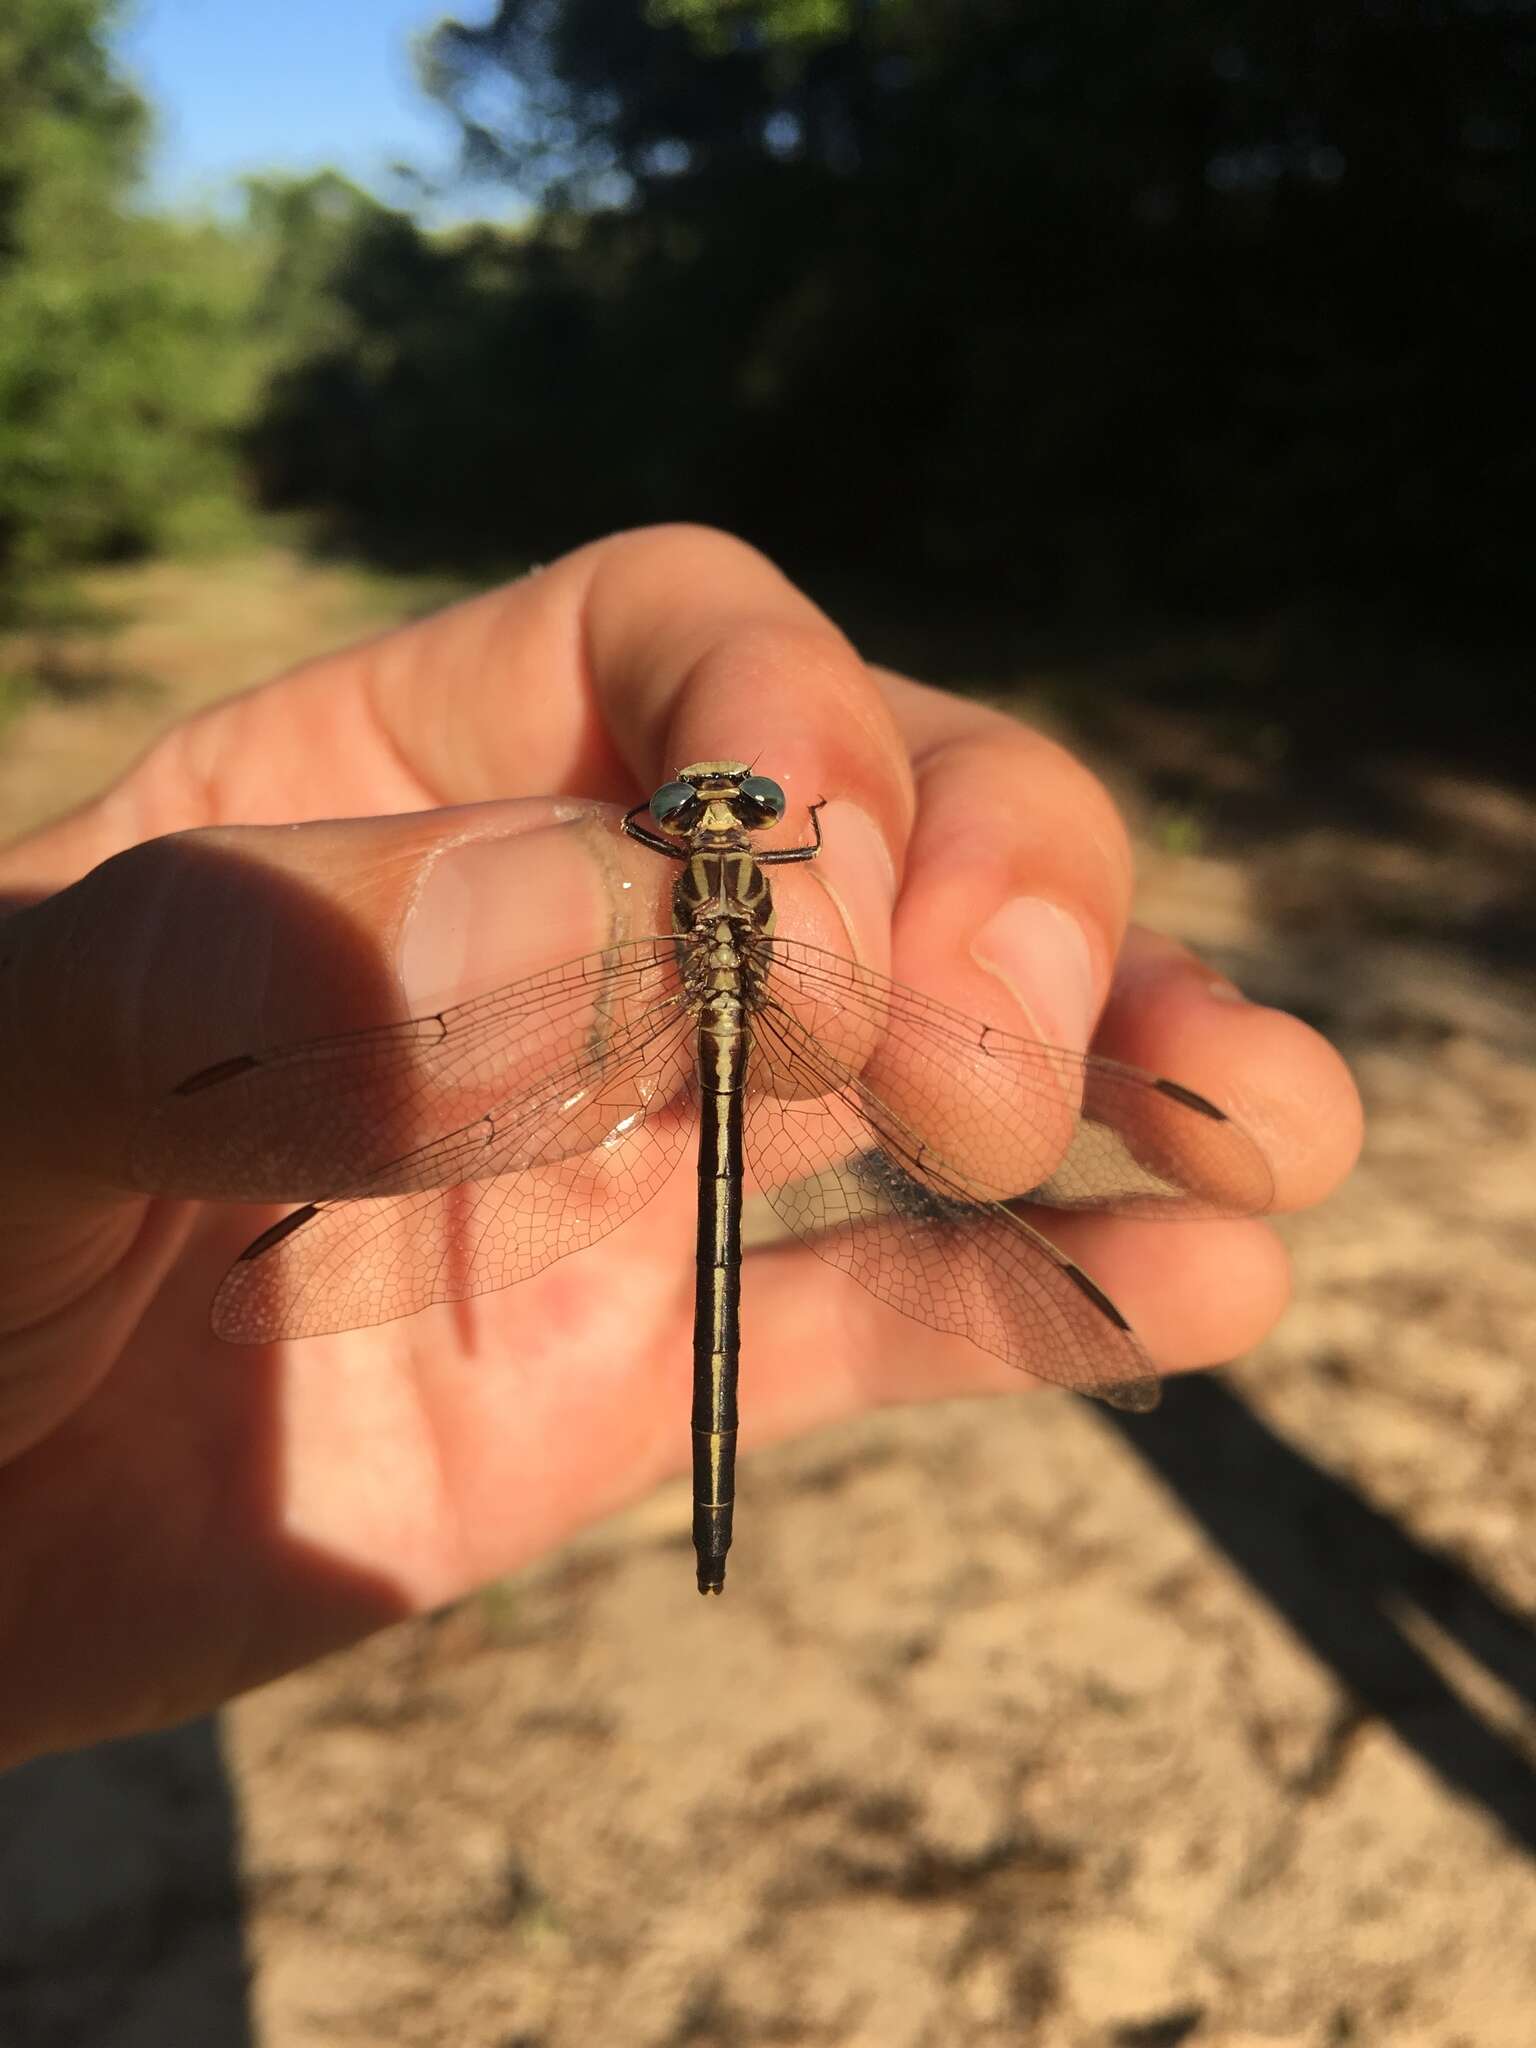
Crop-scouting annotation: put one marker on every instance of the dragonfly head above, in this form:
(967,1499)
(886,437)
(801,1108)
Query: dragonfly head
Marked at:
(716,796)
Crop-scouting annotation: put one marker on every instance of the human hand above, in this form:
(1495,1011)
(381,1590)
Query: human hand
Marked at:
(180,1520)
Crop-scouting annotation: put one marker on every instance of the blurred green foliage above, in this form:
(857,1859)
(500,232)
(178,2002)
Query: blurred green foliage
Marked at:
(1094,307)
(123,365)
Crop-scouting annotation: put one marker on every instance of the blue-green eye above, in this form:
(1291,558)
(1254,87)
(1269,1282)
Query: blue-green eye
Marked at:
(670,799)
(765,794)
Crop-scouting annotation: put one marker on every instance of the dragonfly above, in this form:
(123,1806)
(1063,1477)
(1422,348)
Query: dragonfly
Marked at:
(905,1143)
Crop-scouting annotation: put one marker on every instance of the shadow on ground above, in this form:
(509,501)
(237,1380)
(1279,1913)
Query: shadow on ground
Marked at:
(1355,1588)
(120,1910)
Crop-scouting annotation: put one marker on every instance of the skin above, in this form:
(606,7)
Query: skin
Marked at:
(180,1520)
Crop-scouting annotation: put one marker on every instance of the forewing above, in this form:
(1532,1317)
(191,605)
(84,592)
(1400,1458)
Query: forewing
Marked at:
(515,1194)
(328,1116)
(1010,1117)
(855,1183)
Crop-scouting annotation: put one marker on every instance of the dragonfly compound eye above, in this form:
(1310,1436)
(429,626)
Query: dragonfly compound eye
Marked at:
(669,806)
(766,795)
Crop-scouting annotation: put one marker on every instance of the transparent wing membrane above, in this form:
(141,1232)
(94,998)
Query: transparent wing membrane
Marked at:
(323,1117)
(1011,1116)
(498,1202)
(455,1154)
(857,1184)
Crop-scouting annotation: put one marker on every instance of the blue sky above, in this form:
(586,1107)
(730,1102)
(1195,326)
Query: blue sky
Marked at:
(245,85)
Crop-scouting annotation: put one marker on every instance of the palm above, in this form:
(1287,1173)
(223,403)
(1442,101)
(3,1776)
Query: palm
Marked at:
(419,1443)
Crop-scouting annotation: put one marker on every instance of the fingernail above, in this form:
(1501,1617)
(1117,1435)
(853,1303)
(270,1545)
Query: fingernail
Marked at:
(1220,990)
(860,878)
(854,832)
(502,905)
(1040,954)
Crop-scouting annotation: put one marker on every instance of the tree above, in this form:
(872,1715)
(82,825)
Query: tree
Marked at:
(121,374)
(1101,299)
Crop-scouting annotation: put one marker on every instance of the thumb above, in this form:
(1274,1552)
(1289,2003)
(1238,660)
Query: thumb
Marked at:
(207,945)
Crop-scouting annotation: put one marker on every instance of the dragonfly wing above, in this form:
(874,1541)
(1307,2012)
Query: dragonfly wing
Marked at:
(515,1195)
(326,1116)
(850,1178)
(1017,1119)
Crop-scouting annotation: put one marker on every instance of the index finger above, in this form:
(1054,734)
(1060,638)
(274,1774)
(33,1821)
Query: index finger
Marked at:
(658,649)
(702,650)
(597,677)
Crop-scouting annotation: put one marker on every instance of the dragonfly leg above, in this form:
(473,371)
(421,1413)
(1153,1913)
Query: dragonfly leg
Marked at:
(787,853)
(651,839)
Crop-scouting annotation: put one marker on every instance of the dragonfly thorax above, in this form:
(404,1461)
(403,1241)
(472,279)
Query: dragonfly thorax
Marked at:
(726,889)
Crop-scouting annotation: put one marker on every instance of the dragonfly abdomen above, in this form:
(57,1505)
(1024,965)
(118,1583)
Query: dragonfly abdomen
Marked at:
(721,906)
(723,1049)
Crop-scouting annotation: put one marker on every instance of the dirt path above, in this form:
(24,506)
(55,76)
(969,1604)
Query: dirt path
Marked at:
(1216,1727)
(172,636)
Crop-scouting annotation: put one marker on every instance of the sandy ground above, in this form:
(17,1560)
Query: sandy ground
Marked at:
(1020,1724)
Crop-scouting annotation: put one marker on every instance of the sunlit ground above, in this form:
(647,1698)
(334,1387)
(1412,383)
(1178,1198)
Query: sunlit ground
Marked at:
(1220,1726)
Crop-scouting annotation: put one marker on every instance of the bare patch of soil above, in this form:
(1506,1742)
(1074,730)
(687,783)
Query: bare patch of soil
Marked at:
(160,640)
(1217,1726)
